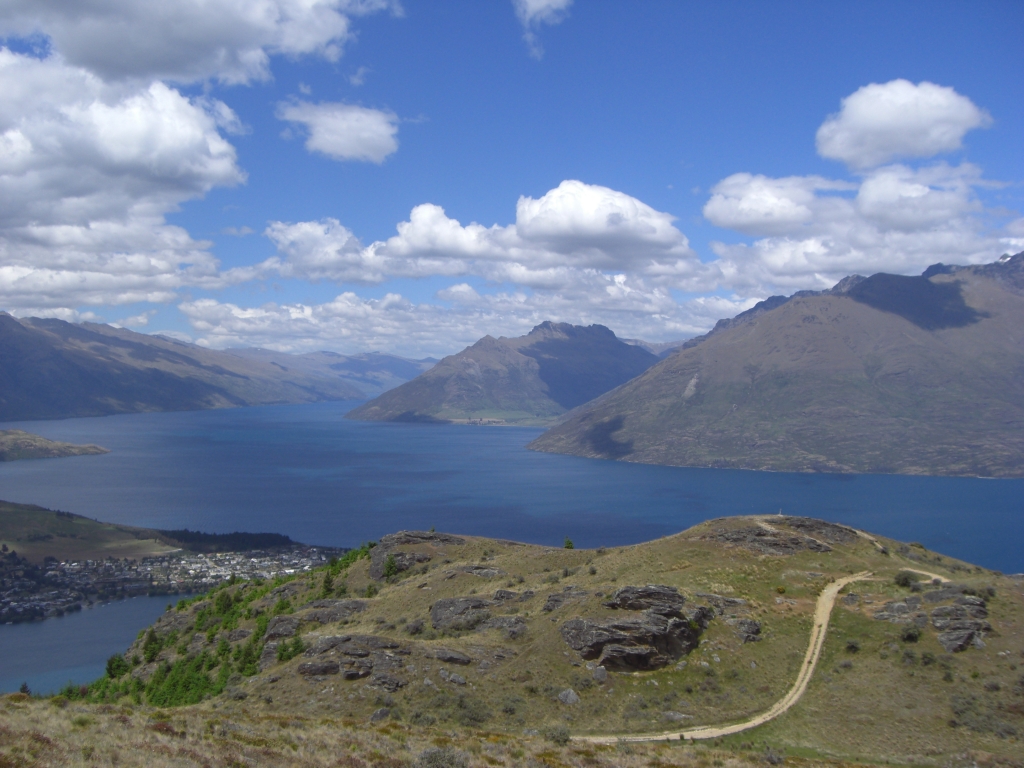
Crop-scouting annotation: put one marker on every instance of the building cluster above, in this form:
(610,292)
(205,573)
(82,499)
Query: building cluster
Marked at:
(29,592)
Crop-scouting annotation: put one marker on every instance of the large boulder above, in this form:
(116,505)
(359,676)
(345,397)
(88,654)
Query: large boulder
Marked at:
(460,613)
(355,656)
(650,641)
(281,627)
(665,601)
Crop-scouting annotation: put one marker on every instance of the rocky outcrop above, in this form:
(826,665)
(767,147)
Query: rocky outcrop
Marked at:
(281,627)
(903,612)
(961,625)
(330,611)
(406,560)
(748,630)
(460,613)
(721,604)
(513,626)
(355,657)
(452,657)
(650,641)
(765,541)
(659,599)
(558,599)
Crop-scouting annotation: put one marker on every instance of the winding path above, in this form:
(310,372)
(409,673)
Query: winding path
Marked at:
(822,614)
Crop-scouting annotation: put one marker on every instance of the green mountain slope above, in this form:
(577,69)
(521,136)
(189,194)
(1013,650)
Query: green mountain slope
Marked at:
(530,379)
(52,369)
(891,374)
(515,648)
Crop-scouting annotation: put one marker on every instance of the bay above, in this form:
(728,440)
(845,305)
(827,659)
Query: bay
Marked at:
(307,472)
(73,648)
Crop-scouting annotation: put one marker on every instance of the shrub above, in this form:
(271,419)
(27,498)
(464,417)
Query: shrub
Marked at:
(906,578)
(117,666)
(558,735)
(568,543)
(852,646)
(910,634)
(288,650)
(390,567)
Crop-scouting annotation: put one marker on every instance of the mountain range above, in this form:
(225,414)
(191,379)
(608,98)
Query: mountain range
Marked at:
(883,374)
(531,379)
(52,369)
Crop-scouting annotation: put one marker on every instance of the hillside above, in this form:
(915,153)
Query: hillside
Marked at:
(885,374)
(527,380)
(53,369)
(501,652)
(372,373)
(16,445)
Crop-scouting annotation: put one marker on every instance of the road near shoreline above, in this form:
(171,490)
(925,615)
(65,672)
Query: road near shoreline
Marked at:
(822,614)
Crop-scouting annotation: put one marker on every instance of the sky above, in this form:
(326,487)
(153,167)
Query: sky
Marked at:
(357,175)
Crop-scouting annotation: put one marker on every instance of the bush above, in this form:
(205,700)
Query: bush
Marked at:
(568,543)
(910,634)
(442,757)
(852,646)
(558,735)
(117,665)
(390,567)
(906,578)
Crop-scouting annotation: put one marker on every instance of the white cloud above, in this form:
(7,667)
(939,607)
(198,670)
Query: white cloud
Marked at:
(533,13)
(883,122)
(573,227)
(188,40)
(344,131)
(358,78)
(900,220)
(87,172)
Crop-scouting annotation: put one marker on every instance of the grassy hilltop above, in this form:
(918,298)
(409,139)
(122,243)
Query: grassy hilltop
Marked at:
(496,653)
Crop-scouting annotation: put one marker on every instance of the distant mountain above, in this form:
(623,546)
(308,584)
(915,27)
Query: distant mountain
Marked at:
(527,380)
(658,348)
(888,374)
(370,372)
(50,369)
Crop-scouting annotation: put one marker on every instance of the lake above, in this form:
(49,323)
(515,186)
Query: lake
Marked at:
(305,471)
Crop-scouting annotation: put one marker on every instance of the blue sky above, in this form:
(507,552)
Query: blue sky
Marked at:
(237,174)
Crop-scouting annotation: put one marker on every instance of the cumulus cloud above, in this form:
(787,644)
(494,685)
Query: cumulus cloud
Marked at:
(572,228)
(350,323)
(812,234)
(344,131)
(533,13)
(87,172)
(188,40)
(879,123)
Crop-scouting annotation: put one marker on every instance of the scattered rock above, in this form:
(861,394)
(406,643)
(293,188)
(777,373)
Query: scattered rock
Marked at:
(318,668)
(720,603)
(748,630)
(956,641)
(238,634)
(513,626)
(281,627)
(527,594)
(380,714)
(665,601)
(502,595)
(269,656)
(819,529)
(236,694)
(600,674)
(330,611)
(452,657)
(387,682)
(558,599)
(569,696)
(483,571)
(460,613)
(457,679)
(944,593)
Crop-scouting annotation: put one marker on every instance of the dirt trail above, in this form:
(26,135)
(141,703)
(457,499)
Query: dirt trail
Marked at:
(822,614)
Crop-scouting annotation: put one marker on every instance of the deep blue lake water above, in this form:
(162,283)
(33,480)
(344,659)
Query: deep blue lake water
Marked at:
(306,472)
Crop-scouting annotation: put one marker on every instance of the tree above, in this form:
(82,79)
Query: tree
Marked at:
(568,543)
(25,689)
(117,665)
(390,567)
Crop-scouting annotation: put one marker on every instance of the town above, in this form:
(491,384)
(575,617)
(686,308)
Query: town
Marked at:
(29,592)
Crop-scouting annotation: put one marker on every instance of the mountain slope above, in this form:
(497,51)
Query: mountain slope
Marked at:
(890,374)
(488,644)
(372,373)
(52,369)
(530,379)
